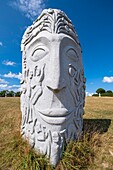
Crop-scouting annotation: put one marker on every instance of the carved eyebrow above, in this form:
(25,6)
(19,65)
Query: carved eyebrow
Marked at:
(71,48)
(68,38)
(43,39)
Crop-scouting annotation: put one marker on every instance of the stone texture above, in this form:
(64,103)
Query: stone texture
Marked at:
(53,84)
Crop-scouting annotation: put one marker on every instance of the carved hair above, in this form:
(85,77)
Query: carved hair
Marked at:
(53,21)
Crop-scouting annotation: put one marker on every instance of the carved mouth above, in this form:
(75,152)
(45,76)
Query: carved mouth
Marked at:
(55,112)
(55,116)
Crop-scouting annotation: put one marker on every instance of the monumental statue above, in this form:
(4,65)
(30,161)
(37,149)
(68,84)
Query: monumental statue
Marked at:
(53,84)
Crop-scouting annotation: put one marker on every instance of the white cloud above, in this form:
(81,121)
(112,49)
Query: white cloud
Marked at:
(2,81)
(108,80)
(16,90)
(13,75)
(1,44)
(3,86)
(31,8)
(89,94)
(14,87)
(8,63)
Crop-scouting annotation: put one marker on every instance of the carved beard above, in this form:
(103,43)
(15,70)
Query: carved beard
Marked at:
(51,140)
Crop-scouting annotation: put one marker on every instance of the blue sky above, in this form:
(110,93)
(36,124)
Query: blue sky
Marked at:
(93,21)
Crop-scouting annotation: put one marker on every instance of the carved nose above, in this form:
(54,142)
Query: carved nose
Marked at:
(55,85)
(55,79)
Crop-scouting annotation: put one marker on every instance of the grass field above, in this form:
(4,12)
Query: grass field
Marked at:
(93,152)
(99,114)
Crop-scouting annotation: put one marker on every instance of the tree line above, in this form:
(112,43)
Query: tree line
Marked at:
(99,92)
(6,93)
(103,92)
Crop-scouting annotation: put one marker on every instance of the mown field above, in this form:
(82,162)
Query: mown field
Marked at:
(93,151)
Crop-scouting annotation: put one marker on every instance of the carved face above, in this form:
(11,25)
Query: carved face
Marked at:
(55,60)
(53,78)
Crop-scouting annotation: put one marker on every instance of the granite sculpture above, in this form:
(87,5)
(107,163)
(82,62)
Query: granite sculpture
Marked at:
(53,84)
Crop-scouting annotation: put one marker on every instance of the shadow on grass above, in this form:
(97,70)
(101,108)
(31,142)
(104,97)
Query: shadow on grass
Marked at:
(96,125)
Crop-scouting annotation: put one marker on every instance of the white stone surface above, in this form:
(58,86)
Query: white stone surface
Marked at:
(53,84)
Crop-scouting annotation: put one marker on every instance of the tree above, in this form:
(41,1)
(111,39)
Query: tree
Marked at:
(109,91)
(100,90)
(10,94)
(17,94)
(3,93)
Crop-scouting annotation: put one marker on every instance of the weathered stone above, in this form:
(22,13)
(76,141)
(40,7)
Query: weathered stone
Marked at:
(53,84)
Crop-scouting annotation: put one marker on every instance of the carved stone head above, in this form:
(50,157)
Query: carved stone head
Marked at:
(53,84)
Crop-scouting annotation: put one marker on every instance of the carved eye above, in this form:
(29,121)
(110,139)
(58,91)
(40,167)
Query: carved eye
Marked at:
(71,72)
(72,54)
(39,53)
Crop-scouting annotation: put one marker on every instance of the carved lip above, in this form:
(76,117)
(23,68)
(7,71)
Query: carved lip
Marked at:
(55,112)
(55,116)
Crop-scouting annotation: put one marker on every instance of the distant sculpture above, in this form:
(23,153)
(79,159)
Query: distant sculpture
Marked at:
(53,84)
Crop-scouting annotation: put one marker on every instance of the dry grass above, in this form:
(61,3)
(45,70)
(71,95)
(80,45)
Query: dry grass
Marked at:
(99,107)
(99,117)
(94,151)
(15,153)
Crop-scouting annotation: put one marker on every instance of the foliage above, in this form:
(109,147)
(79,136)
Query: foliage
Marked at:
(17,94)
(95,95)
(100,90)
(109,91)
(6,93)
(107,94)
(3,93)
(104,93)
(10,93)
